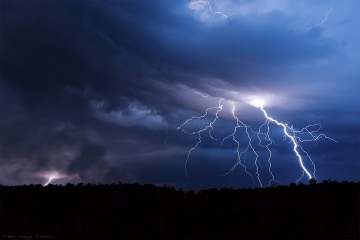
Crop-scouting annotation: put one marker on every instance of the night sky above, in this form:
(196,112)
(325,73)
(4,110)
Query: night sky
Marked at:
(95,89)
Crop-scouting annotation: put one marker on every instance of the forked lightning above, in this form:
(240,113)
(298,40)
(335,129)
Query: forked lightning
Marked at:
(309,133)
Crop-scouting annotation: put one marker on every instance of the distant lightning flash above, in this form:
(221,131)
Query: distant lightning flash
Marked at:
(309,133)
(50,179)
(52,176)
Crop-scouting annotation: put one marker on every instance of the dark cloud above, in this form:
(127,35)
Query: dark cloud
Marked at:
(91,157)
(117,50)
(96,87)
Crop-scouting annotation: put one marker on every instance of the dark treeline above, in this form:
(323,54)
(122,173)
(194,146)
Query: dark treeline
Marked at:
(328,210)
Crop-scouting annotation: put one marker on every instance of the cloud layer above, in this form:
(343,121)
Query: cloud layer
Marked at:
(97,88)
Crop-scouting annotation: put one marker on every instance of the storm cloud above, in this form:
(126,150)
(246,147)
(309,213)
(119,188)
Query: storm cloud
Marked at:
(97,88)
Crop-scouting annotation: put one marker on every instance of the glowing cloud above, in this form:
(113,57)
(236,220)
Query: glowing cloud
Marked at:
(51,176)
(257,102)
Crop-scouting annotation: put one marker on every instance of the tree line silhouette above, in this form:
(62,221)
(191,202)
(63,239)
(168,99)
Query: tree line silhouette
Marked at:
(327,210)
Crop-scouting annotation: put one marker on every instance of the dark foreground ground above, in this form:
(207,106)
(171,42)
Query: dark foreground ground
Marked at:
(122,211)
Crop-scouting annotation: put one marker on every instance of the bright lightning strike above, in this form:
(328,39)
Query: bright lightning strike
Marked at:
(293,136)
(309,133)
(260,104)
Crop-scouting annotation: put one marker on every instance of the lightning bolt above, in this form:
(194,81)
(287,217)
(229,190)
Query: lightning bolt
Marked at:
(312,133)
(50,179)
(309,133)
(209,127)
(269,142)
(313,137)
(323,20)
(194,3)
(239,124)
(52,176)
(292,137)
